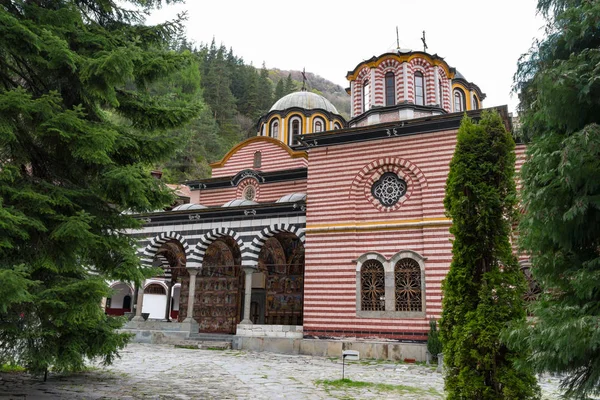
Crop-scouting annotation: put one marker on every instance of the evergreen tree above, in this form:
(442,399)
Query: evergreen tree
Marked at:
(265,91)
(559,84)
(290,85)
(279,90)
(484,287)
(79,131)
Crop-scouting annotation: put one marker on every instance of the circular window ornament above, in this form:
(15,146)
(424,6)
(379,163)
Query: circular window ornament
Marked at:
(388,189)
(249,193)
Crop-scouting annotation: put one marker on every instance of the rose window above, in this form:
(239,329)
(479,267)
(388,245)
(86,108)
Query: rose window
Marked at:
(388,189)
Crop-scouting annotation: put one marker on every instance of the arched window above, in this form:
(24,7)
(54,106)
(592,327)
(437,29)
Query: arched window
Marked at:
(441,90)
(366,98)
(459,100)
(295,127)
(337,126)
(155,288)
(419,89)
(319,125)
(257,159)
(475,104)
(275,129)
(407,274)
(372,280)
(390,89)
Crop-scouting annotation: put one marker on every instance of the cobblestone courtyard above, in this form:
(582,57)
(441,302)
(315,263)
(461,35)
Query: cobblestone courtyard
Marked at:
(164,372)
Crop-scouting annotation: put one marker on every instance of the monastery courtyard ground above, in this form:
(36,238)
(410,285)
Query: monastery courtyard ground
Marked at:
(165,372)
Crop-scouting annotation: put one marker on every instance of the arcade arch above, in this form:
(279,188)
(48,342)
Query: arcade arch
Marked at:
(278,283)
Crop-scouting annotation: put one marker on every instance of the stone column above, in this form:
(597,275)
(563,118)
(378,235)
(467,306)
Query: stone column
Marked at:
(248,294)
(140,304)
(168,305)
(192,293)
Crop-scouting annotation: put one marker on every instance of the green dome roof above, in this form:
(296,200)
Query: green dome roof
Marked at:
(305,100)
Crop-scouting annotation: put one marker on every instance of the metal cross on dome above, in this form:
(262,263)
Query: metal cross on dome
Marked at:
(424,43)
(304,79)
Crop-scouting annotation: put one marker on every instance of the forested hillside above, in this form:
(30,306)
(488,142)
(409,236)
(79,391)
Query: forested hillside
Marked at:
(233,95)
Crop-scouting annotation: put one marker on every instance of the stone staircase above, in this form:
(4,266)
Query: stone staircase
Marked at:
(210,341)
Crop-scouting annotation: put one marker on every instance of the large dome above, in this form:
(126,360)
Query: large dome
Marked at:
(305,100)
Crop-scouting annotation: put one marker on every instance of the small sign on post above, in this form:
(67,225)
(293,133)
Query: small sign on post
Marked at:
(351,355)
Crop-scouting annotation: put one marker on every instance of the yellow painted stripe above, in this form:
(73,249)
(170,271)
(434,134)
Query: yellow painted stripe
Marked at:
(378,225)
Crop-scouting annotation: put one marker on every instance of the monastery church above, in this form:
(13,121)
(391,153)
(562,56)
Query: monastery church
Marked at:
(319,233)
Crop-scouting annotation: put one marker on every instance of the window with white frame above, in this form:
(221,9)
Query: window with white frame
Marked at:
(366,96)
(459,100)
(319,125)
(419,88)
(475,103)
(275,129)
(390,89)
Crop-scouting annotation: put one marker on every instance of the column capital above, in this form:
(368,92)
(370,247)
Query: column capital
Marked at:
(192,270)
(250,270)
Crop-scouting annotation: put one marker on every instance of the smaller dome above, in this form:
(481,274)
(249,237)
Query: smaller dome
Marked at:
(305,100)
(239,202)
(290,198)
(458,75)
(188,206)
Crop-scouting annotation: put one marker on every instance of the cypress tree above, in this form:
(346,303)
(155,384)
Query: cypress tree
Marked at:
(559,83)
(79,131)
(484,287)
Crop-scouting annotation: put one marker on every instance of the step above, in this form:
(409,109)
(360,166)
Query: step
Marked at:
(206,345)
(211,337)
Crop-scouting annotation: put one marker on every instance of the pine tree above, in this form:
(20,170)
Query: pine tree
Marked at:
(279,90)
(484,287)
(265,91)
(290,85)
(79,132)
(559,83)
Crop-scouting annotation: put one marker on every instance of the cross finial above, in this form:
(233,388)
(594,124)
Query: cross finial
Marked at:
(397,38)
(304,79)
(424,43)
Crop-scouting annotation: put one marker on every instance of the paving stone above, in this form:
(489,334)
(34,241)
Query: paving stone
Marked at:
(147,371)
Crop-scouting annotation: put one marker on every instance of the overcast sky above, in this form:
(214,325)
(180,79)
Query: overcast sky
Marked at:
(483,39)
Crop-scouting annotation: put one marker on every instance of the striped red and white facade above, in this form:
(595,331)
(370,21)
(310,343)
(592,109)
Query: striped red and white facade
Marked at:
(321,188)
(369,88)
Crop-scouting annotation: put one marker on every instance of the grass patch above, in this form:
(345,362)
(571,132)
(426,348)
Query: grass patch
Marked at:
(186,346)
(11,368)
(337,384)
(215,348)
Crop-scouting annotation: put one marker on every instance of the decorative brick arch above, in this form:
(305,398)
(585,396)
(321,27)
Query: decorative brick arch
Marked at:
(207,239)
(251,256)
(426,68)
(363,181)
(150,251)
(239,193)
(389,65)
